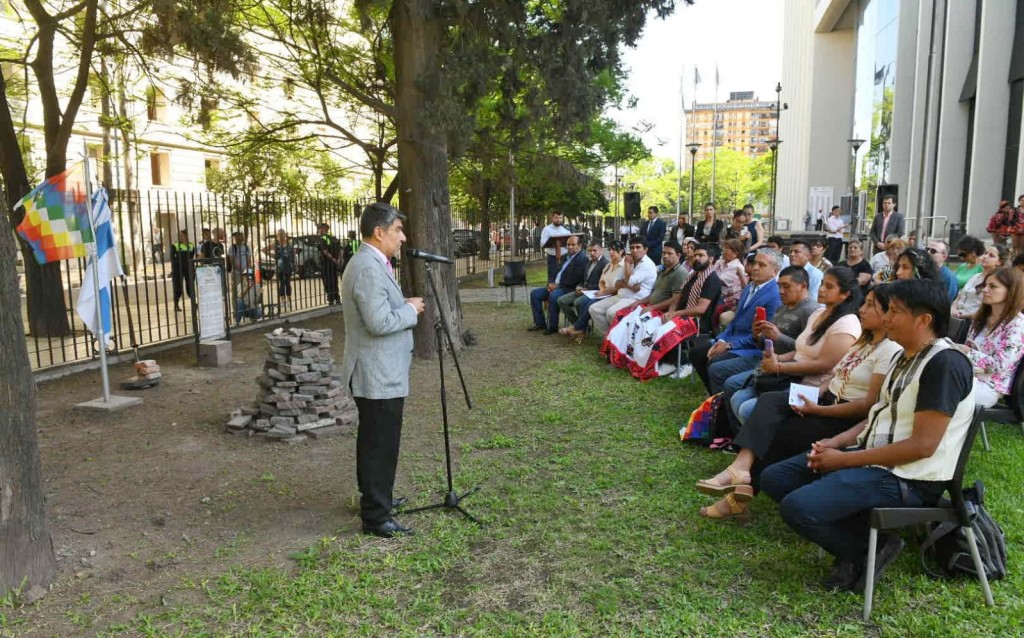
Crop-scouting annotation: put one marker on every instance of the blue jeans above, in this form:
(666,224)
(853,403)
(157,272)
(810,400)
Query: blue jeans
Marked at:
(537,298)
(583,322)
(831,510)
(726,366)
(743,402)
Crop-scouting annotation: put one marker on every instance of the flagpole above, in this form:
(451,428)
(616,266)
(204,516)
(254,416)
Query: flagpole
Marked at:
(682,125)
(102,336)
(693,109)
(714,138)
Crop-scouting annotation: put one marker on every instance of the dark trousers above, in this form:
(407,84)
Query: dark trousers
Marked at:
(831,510)
(834,250)
(377,442)
(329,274)
(182,281)
(700,363)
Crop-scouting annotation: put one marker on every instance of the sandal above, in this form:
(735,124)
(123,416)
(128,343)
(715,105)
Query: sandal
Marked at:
(736,481)
(732,511)
(720,443)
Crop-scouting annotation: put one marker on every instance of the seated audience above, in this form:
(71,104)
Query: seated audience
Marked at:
(916,263)
(731,370)
(778,244)
(738,230)
(570,303)
(776,430)
(567,278)
(640,274)
(855,261)
(800,255)
(731,272)
(905,451)
(727,316)
(818,259)
(829,334)
(668,281)
(969,250)
(939,250)
(611,274)
(968,301)
(884,263)
(699,291)
(762,291)
(688,245)
(995,340)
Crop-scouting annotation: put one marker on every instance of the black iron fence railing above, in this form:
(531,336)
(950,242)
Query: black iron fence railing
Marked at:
(148,224)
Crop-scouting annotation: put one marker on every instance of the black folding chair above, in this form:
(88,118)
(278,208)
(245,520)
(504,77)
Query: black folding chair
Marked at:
(514,275)
(1010,410)
(705,330)
(956,510)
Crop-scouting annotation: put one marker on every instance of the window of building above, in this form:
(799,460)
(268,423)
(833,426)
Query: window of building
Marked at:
(156,105)
(160,166)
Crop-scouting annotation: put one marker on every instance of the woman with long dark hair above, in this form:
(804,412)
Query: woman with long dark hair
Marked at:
(830,332)
(916,263)
(995,341)
(777,431)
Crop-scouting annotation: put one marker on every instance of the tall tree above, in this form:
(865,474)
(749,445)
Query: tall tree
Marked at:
(27,560)
(446,54)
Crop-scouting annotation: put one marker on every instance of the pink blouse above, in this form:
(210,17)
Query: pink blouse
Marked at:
(996,355)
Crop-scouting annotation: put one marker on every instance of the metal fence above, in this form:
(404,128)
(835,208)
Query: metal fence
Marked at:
(148,223)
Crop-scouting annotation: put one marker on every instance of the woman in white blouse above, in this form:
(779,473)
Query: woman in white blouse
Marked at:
(968,301)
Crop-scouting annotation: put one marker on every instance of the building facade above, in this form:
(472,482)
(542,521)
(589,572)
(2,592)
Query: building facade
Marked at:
(921,99)
(743,124)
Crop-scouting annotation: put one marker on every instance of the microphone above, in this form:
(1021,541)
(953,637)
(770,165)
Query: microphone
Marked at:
(419,254)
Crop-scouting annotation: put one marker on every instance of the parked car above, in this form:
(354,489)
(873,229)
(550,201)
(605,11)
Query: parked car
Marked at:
(307,258)
(465,242)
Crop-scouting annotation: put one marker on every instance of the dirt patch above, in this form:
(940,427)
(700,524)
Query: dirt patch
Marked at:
(142,501)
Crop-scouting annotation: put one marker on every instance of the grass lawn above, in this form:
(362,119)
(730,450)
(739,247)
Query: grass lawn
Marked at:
(536,275)
(590,529)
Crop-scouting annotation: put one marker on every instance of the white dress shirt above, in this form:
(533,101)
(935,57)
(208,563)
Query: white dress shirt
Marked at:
(644,274)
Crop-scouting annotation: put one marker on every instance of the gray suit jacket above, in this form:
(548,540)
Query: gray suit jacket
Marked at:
(378,329)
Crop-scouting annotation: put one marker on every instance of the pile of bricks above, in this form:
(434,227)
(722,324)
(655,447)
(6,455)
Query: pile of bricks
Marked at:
(299,395)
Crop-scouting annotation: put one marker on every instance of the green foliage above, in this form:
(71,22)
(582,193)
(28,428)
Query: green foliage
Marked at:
(739,180)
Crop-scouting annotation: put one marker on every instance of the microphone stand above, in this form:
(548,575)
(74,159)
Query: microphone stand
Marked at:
(452,499)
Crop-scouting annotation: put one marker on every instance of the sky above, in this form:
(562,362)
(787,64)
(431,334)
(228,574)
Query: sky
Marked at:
(744,39)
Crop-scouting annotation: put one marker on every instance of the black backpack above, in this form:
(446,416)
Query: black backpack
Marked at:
(945,544)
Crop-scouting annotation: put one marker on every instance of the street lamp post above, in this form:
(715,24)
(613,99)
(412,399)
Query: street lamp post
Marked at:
(773,144)
(693,146)
(855,144)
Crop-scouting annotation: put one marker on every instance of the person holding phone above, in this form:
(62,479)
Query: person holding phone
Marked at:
(776,431)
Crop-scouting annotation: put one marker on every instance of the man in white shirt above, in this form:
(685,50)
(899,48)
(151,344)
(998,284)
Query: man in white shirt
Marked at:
(800,255)
(640,276)
(555,256)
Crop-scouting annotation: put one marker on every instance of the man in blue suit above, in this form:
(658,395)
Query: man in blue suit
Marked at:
(653,232)
(762,291)
(572,274)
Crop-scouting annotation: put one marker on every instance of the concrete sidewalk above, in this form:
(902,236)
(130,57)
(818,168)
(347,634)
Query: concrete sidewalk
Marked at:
(492,295)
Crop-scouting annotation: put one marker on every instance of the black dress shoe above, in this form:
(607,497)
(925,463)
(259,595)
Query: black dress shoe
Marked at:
(844,576)
(536,328)
(549,332)
(885,554)
(387,529)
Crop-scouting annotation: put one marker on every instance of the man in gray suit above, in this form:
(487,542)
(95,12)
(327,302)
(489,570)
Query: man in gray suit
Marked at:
(378,352)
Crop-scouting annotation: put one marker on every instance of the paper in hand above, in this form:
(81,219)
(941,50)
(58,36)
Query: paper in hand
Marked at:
(796,389)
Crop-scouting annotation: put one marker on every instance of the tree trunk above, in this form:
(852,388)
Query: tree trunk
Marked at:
(47,314)
(423,162)
(26,550)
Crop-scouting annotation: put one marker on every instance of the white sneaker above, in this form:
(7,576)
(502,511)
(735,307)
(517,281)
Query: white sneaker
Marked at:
(684,371)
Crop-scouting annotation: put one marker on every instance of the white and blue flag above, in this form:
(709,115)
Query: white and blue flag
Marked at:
(109,268)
